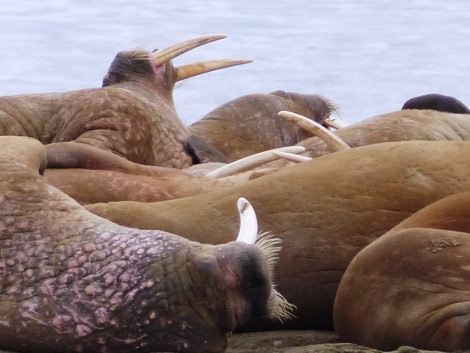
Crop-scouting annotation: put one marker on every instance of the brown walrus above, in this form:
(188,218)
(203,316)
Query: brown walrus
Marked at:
(249,124)
(411,286)
(404,125)
(133,115)
(74,282)
(325,210)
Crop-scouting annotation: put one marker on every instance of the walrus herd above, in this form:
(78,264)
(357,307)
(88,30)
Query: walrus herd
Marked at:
(117,227)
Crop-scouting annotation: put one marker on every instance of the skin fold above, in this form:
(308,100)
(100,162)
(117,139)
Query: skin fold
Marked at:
(410,286)
(75,282)
(325,211)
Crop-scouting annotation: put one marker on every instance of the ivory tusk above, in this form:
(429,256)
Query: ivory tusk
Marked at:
(190,70)
(333,141)
(292,157)
(251,161)
(161,56)
(248,223)
(336,123)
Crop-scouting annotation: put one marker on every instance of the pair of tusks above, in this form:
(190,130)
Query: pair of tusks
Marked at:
(290,153)
(162,56)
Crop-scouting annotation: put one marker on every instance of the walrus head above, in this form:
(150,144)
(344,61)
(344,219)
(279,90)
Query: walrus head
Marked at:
(139,64)
(72,281)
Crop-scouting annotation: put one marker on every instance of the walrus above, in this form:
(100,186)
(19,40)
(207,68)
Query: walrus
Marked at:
(410,286)
(436,101)
(325,210)
(132,115)
(249,124)
(74,282)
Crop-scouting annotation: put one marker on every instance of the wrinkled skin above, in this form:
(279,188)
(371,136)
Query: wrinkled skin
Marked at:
(439,102)
(133,116)
(410,286)
(74,282)
(249,124)
(325,210)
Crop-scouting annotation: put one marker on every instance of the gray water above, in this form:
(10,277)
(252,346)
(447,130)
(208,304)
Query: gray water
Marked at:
(367,56)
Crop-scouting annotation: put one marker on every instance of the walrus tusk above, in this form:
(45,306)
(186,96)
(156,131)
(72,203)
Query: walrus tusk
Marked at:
(248,223)
(162,56)
(333,141)
(336,123)
(297,158)
(190,70)
(252,161)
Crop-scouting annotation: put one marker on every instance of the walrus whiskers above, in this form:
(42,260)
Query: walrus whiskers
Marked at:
(278,307)
(333,141)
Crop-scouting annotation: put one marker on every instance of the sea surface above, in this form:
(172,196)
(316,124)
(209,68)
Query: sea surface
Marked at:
(366,56)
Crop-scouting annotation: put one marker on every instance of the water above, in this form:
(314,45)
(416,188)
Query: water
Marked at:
(367,56)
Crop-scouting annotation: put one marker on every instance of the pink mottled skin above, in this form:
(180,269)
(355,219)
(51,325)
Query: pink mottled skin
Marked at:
(71,281)
(133,116)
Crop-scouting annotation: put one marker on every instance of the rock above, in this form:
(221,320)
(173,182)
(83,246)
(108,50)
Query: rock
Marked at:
(308,341)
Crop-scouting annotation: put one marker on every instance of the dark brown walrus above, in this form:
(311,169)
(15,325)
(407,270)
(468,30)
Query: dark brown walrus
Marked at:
(133,115)
(436,101)
(411,286)
(249,124)
(74,282)
(325,210)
